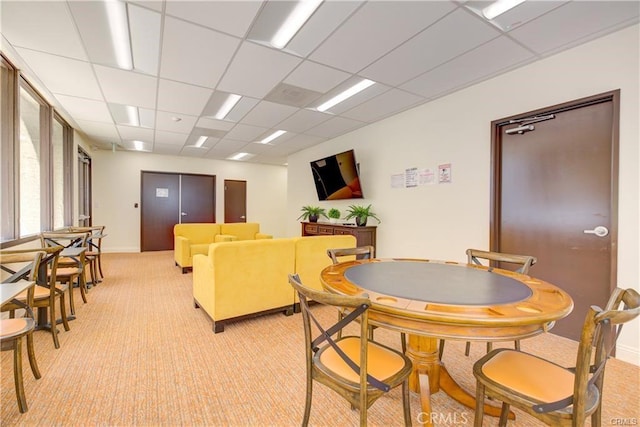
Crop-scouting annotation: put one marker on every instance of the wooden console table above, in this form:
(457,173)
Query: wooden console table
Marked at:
(365,235)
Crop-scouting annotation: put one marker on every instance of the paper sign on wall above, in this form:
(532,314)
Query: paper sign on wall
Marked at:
(444,173)
(162,192)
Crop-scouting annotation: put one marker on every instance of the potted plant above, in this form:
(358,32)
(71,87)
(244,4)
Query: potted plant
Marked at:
(312,213)
(361,214)
(334,215)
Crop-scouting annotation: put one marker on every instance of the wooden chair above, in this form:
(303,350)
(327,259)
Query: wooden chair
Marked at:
(556,395)
(70,268)
(524,262)
(94,250)
(21,266)
(338,363)
(46,292)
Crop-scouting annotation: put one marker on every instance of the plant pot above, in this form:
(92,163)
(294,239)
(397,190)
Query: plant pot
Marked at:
(361,221)
(313,218)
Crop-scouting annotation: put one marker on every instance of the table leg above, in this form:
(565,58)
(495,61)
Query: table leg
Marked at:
(430,376)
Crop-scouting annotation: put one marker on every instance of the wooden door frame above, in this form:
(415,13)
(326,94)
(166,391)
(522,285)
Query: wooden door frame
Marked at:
(496,178)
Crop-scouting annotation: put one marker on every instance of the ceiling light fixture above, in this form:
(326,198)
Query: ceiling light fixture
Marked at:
(227,106)
(238,156)
(133,115)
(359,87)
(119,26)
(200,141)
(138,145)
(296,19)
(273,136)
(499,7)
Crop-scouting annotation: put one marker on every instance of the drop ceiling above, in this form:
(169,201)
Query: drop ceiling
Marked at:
(189,55)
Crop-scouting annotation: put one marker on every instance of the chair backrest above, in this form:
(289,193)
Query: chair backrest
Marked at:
(64,239)
(21,264)
(524,261)
(96,232)
(363,252)
(599,333)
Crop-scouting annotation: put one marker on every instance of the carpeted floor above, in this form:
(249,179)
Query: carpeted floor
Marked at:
(140,354)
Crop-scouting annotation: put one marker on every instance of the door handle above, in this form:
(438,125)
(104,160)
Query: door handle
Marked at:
(599,231)
(183,213)
(242,217)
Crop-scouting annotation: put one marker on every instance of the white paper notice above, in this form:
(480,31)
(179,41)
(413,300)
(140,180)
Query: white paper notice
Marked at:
(397,180)
(411,177)
(162,192)
(444,173)
(426,177)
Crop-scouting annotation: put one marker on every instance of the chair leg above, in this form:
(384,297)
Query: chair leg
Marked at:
(52,320)
(17,375)
(516,345)
(72,305)
(467,348)
(504,415)
(32,356)
(340,316)
(441,349)
(82,284)
(63,313)
(406,404)
(489,346)
(307,403)
(479,413)
(100,266)
(403,342)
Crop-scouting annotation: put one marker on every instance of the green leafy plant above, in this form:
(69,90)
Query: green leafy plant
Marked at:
(312,213)
(334,213)
(361,214)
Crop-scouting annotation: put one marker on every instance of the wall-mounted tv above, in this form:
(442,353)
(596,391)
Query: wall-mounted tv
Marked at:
(336,177)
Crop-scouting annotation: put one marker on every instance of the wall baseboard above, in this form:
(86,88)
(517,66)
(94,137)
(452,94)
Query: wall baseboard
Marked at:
(628,354)
(120,250)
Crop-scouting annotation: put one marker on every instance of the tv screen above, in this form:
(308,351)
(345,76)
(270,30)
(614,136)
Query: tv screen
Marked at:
(336,177)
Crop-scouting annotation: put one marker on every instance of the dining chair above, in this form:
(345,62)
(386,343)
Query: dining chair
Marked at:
(523,262)
(94,250)
(46,292)
(21,266)
(71,267)
(552,393)
(356,367)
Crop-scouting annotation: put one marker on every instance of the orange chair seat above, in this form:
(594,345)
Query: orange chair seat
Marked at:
(530,376)
(10,328)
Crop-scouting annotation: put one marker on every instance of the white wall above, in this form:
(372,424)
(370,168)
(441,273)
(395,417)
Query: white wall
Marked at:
(117,182)
(441,221)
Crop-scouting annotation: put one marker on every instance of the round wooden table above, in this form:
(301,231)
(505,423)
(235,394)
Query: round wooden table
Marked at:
(432,300)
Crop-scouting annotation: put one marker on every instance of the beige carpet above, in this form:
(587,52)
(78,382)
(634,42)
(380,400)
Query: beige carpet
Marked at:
(140,354)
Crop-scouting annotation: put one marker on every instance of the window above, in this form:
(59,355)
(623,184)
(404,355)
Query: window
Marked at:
(36,167)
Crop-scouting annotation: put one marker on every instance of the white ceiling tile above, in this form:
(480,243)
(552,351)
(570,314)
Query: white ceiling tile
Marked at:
(255,70)
(170,138)
(573,22)
(105,130)
(317,77)
(85,109)
(63,75)
(375,29)
(208,123)
(246,133)
(519,15)
(127,87)
(182,98)
(295,144)
(493,57)
(194,54)
(131,133)
(46,26)
(357,99)
(334,127)
(231,17)
(303,120)
(266,114)
(144,26)
(91,19)
(455,34)
(388,103)
(166,121)
(225,148)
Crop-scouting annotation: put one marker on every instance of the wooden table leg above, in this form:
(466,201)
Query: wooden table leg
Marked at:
(430,376)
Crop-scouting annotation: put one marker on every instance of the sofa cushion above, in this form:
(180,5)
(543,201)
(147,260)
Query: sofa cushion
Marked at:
(197,232)
(311,255)
(242,230)
(201,248)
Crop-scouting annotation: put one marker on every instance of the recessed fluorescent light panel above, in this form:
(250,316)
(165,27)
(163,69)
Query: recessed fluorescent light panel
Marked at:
(119,27)
(132,115)
(240,156)
(227,106)
(273,136)
(200,141)
(296,19)
(138,145)
(359,87)
(499,7)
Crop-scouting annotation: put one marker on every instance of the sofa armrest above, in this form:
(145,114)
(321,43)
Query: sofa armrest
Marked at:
(263,236)
(225,238)
(182,251)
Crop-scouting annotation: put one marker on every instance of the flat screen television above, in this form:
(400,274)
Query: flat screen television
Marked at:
(336,177)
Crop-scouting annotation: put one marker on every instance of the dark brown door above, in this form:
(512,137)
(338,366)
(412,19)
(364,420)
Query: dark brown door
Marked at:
(235,201)
(555,197)
(159,210)
(198,195)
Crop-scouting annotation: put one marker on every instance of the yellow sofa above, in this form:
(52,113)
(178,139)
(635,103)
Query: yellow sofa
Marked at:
(195,238)
(243,279)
